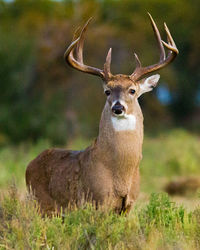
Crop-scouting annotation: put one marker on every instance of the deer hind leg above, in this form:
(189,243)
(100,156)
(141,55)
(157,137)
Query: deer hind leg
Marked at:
(47,205)
(38,185)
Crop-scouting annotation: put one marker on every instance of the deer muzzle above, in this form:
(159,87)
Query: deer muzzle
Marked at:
(118,109)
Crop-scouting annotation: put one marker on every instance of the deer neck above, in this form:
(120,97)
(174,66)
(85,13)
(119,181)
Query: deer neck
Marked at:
(119,143)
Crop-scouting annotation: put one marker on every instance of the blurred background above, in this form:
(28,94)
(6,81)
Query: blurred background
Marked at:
(43,99)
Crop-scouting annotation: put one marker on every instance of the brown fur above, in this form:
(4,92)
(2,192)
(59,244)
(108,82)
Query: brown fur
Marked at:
(107,171)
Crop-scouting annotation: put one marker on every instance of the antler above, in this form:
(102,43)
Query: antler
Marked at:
(76,47)
(171,46)
(78,62)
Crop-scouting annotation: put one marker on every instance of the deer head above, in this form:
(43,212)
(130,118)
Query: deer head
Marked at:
(123,90)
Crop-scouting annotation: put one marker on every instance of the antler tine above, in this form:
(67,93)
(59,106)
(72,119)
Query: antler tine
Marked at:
(170,39)
(158,37)
(78,63)
(137,60)
(107,64)
(79,47)
(68,56)
(171,46)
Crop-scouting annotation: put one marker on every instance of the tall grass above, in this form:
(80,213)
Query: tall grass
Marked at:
(160,224)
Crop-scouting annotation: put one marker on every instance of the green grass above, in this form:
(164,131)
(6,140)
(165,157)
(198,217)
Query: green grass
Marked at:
(156,222)
(160,224)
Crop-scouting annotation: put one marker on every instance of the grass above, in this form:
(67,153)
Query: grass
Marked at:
(160,224)
(156,222)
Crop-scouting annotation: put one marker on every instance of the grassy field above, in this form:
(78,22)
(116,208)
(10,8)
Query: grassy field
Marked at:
(156,222)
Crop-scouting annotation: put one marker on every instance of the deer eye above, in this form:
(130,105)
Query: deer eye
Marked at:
(132,91)
(107,92)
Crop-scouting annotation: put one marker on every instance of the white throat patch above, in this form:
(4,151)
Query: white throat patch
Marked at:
(127,122)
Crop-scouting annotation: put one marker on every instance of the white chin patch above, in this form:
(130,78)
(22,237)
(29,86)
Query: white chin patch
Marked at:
(124,123)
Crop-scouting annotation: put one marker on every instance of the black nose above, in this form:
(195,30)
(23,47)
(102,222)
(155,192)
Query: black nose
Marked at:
(117,108)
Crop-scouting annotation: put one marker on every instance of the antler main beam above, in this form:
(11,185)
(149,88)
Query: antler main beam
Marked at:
(78,63)
(164,61)
(76,47)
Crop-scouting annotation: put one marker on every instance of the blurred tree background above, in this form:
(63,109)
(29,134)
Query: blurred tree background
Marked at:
(41,97)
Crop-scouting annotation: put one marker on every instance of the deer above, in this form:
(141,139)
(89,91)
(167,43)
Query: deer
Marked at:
(107,170)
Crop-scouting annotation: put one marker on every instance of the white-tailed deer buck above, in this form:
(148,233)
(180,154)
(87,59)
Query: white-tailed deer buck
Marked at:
(109,168)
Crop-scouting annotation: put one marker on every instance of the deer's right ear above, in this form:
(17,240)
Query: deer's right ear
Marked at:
(148,84)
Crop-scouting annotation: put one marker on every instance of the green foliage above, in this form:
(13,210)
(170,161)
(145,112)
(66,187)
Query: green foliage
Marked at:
(161,212)
(24,115)
(13,77)
(158,225)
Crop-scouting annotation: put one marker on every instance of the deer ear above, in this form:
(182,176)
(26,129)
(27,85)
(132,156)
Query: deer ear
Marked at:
(148,84)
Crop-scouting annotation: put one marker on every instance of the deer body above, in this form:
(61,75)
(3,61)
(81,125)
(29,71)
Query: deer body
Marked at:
(108,170)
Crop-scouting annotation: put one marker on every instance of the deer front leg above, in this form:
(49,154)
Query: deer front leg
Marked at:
(129,199)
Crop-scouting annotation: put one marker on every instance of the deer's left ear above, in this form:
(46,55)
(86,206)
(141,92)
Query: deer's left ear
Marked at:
(148,84)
